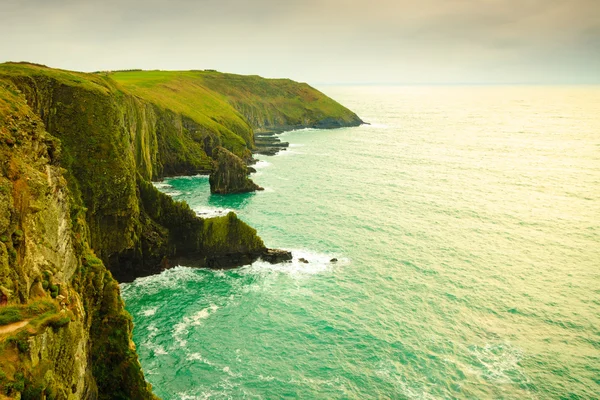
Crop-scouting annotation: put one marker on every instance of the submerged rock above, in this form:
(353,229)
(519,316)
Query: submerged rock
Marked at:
(275,256)
(303,260)
(230,174)
(333,260)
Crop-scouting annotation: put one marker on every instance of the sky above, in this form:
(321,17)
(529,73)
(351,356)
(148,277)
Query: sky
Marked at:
(315,41)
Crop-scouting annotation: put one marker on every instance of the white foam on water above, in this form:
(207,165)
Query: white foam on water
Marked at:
(181,329)
(172,193)
(261,164)
(194,357)
(197,357)
(287,153)
(171,278)
(211,212)
(149,312)
(157,349)
(297,145)
(317,263)
(161,185)
(497,361)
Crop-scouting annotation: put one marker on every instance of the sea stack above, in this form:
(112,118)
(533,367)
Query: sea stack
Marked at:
(230,174)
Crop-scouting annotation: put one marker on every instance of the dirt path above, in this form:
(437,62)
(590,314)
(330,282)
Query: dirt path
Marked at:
(13,327)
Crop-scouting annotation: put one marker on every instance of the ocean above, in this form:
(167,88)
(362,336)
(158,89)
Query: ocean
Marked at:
(466,224)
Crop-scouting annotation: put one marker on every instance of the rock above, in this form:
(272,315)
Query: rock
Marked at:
(230,174)
(269,151)
(251,170)
(303,260)
(275,256)
(333,260)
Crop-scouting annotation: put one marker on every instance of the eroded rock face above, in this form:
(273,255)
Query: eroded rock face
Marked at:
(76,341)
(275,256)
(230,174)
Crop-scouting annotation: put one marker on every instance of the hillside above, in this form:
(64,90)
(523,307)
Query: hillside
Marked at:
(265,104)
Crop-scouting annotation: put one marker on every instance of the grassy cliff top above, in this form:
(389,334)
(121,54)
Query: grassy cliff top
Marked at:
(205,91)
(227,105)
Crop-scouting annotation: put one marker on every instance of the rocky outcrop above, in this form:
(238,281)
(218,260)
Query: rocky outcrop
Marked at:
(230,174)
(275,256)
(269,144)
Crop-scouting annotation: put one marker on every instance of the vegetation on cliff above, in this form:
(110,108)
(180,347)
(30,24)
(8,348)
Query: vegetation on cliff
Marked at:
(230,174)
(263,104)
(52,301)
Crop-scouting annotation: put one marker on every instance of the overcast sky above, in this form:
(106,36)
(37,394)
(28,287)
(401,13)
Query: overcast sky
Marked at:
(317,41)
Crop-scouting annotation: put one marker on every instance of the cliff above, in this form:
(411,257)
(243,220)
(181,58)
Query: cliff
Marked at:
(237,102)
(64,333)
(230,174)
(77,154)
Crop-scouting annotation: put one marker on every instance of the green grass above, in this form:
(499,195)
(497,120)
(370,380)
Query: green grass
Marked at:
(184,93)
(264,103)
(16,313)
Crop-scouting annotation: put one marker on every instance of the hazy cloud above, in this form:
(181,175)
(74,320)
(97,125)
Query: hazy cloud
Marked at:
(315,40)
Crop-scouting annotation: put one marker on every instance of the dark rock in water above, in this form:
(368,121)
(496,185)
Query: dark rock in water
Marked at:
(251,170)
(275,256)
(269,151)
(303,260)
(230,174)
(333,260)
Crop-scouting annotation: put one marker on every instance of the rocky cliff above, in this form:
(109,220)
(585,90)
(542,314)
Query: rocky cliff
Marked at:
(230,174)
(64,333)
(77,154)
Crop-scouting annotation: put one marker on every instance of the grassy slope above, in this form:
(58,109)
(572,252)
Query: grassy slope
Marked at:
(264,103)
(182,92)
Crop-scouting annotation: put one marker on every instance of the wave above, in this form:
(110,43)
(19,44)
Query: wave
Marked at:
(261,164)
(181,329)
(316,263)
(287,153)
(149,312)
(498,362)
(161,185)
(171,278)
(210,212)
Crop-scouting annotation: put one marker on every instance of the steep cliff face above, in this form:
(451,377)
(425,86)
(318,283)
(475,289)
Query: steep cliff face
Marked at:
(230,174)
(55,294)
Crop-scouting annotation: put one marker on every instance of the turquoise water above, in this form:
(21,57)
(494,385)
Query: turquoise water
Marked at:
(466,221)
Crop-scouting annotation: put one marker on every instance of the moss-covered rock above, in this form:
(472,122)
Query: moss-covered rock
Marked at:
(54,299)
(230,174)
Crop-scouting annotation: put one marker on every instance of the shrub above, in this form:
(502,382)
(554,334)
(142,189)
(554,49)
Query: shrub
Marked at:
(10,314)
